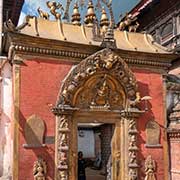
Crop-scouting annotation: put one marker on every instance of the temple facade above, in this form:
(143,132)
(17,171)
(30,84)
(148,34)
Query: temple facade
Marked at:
(69,87)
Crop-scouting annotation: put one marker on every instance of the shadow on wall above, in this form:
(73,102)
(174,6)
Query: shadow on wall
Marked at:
(143,88)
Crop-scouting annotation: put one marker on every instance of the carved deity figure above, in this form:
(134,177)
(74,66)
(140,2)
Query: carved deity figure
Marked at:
(63,123)
(54,6)
(63,140)
(102,95)
(132,174)
(63,175)
(39,170)
(63,159)
(132,142)
(149,168)
(110,60)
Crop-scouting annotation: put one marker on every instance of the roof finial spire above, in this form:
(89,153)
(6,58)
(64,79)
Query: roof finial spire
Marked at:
(104,22)
(76,18)
(91,16)
(108,40)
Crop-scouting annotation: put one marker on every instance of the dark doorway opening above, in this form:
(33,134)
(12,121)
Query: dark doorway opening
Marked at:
(94,141)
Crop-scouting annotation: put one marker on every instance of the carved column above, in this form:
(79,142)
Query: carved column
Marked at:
(63,146)
(133,166)
(64,115)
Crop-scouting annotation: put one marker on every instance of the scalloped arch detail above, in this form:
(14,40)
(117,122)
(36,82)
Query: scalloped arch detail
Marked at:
(104,62)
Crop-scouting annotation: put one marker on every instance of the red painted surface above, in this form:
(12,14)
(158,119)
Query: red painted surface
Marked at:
(40,84)
(151,84)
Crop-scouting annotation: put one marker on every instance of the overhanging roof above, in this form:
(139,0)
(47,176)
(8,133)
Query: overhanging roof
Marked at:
(55,30)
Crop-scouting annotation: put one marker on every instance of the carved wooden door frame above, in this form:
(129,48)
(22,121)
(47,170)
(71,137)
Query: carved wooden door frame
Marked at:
(102,83)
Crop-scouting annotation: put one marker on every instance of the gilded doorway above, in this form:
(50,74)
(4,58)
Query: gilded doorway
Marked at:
(101,88)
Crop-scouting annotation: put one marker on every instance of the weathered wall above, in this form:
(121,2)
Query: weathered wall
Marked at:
(39,87)
(6,121)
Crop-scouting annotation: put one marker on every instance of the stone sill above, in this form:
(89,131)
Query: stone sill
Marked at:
(153,146)
(32,146)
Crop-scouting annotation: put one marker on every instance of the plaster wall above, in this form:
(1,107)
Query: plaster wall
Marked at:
(6,122)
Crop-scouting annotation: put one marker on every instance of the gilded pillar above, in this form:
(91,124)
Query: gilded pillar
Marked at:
(133,150)
(62,144)
(131,117)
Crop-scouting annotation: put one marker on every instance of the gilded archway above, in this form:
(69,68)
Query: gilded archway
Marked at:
(104,62)
(101,83)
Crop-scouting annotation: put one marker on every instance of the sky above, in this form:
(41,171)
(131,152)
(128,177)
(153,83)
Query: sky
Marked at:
(120,7)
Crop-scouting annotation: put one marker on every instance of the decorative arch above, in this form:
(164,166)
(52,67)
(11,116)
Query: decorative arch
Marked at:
(101,83)
(103,64)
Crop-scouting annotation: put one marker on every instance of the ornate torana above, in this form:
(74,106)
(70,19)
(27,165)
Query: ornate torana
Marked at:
(102,62)
(40,169)
(150,167)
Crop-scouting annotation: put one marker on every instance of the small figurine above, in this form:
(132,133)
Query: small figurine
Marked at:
(40,169)
(128,23)
(150,168)
(53,7)
(43,14)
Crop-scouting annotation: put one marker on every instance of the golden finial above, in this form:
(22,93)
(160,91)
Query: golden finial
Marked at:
(53,7)
(76,18)
(104,22)
(91,16)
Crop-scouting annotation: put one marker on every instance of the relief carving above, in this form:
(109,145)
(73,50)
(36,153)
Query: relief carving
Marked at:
(102,62)
(63,125)
(101,93)
(40,169)
(101,97)
(63,146)
(152,134)
(150,167)
(133,149)
(101,81)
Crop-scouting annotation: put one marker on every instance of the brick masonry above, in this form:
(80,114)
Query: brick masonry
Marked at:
(40,83)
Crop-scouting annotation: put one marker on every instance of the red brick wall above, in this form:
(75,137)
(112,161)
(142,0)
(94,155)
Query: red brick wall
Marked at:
(151,84)
(40,84)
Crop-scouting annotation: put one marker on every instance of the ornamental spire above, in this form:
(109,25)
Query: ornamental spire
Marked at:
(104,22)
(108,40)
(76,18)
(90,18)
